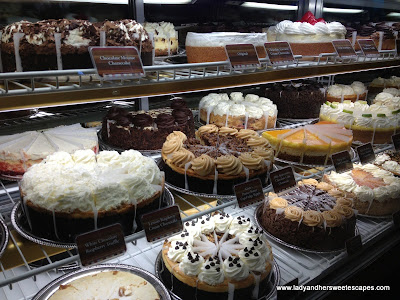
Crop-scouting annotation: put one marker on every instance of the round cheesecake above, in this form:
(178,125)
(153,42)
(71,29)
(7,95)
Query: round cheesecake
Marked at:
(374,191)
(340,92)
(66,195)
(314,215)
(218,257)
(389,161)
(217,160)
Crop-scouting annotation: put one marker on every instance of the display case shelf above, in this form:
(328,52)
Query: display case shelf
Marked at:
(51,88)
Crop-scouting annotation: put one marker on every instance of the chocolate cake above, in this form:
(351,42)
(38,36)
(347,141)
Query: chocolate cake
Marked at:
(297,100)
(313,216)
(146,130)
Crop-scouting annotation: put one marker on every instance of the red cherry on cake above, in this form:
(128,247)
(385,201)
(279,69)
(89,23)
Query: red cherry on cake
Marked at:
(321,20)
(307,16)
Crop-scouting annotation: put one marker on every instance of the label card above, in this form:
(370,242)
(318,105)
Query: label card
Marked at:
(101,244)
(396,218)
(344,49)
(242,56)
(282,179)
(279,53)
(342,161)
(396,141)
(162,223)
(117,62)
(366,153)
(354,244)
(368,48)
(249,192)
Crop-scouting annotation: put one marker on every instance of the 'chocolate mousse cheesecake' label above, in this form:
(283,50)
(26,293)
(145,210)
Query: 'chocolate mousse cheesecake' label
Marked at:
(396,141)
(344,49)
(368,48)
(249,192)
(242,56)
(101,244)
(342,161)
(279,53)
(282,180)
(162,223)
(366,153)
(117,62)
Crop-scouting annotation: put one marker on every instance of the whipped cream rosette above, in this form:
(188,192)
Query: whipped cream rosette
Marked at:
(218,254)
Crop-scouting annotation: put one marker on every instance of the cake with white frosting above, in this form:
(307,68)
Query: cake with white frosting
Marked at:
(390,97)
(310,36)
(217,160)
(374,191)
(370,123)
(238,111)
(68,194)
(314,215)
(116,285)
(209,47)
(379,84)
(389,161)
(218,257)
(341,92)
(165,37)
(20,151)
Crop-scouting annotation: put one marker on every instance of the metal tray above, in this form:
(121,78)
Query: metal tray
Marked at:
(19,221)
(273,282)
(352,156)
(53,286)
(291,245)
(104,146)
(4,235)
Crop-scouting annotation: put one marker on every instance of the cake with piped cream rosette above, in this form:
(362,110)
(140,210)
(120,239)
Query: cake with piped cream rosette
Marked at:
(379,84)
(216,160)
(389,161)
(20,151)
(69,194)
(390,97)
(238,111)
(310,144)
(374,123)
(374,191)
(315,215)
(165,37)
(310,36)
(340,92)
(218,257)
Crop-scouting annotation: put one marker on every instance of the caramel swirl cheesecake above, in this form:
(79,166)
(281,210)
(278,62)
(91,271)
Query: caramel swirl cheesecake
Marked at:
(218,257)
(315,215)
(216,160)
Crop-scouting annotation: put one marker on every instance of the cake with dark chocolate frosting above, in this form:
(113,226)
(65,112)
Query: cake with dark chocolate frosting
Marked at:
(315,215)
(142,130)
(297,100)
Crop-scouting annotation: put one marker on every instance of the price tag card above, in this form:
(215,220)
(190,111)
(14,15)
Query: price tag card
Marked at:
(101,244)
(366,153)
(117,62)
(342,161)
(396,141)
(368,48)
(249,192)
(283,179)
(242,56)
(162,223)
(396,218)
(354,244)
(344,49)
(279,53)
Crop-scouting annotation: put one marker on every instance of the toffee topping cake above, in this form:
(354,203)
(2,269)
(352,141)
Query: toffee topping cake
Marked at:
(238,111)
(374,191)
(115,285)
(217,160)
(312,144)
(370,123)
(146,130)
(297,100)
(20,151)
(314,215)
(218,257)
(66,195)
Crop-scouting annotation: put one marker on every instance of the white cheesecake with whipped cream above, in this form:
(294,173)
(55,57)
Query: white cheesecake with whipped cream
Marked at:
(68,194)
(165,37)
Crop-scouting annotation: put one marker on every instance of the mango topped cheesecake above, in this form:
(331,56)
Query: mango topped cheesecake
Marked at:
(310,143)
